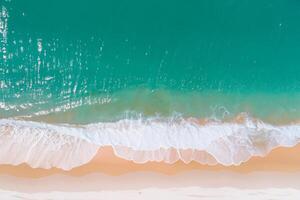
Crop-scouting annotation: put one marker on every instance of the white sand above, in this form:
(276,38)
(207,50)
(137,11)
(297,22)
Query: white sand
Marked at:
(147,185)
(169,193)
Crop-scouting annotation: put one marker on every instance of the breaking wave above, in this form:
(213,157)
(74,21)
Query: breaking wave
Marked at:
(65,146)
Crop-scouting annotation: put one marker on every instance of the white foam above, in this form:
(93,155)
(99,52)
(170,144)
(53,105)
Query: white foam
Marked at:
(65,146)
(42,146)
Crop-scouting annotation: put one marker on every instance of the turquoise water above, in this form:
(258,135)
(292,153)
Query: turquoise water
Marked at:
(150,58)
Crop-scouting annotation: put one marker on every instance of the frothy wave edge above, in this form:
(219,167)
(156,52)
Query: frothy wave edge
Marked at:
(65,146)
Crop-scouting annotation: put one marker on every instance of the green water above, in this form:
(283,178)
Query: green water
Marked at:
(105,59)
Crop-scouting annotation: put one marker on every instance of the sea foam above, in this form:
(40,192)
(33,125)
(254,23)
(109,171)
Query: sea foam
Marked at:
(65,146)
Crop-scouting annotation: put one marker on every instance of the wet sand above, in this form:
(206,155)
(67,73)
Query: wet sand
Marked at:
(280,159)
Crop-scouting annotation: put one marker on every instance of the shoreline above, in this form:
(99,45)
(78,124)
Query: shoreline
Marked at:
(281,159)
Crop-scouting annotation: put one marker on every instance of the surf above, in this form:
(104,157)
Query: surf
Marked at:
(66,146)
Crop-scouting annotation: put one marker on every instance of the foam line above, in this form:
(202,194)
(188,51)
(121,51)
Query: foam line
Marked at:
(67,146)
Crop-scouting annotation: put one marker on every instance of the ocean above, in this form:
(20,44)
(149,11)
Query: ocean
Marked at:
(215,82)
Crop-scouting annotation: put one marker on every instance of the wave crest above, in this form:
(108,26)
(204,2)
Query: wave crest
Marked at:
(67,146)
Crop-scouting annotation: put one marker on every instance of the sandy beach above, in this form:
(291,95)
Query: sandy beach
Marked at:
(108,177)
